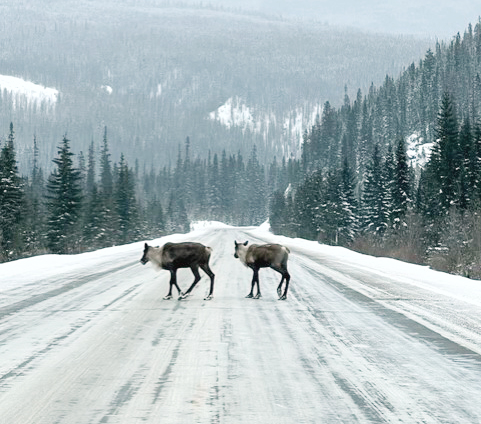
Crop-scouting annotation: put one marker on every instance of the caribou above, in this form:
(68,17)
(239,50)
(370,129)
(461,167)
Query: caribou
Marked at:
(264,256)
(172,256)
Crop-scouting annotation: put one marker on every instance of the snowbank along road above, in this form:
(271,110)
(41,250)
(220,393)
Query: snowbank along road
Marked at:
(89,339)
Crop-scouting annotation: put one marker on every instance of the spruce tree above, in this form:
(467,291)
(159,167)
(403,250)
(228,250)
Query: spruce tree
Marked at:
(64,200)
(446,158)
(373,208)
(307,200)
(126,204)
(12,201)
(35,192)
(255,184)
(94,231)
(214,190)
(108,217)
(278,212)
(349,220)
(401,190)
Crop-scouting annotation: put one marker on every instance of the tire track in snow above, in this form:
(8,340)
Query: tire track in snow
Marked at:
(78,282)
(374,396)
(79,324)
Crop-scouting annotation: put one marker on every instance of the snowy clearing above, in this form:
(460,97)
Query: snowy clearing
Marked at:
(88,339)
(31,93)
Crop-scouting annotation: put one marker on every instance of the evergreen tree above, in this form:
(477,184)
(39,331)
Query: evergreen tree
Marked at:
(94,231)
(35,227)
(214,192)
(446,158)
(255,184)
(108,217)
(154,218)
(349,221)
(388,184)
(64,197)
(106,178)
(12,201)
(126,204)
(308,198)
(278,212)
(374,218)
(401,193)
(178,221)
(329,212)
(90,179)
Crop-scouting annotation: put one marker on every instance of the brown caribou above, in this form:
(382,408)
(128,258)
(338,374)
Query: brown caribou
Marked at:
(264,256)
(172,256)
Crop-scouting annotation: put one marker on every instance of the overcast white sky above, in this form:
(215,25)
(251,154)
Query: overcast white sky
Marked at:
(435,18)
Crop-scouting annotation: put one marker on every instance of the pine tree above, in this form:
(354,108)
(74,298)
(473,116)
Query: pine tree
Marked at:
(373,208)
(64,198)
(154,218)
(108,217)
(307,200)
(214,192)
(177,220)
(388,184)
(255,184)
(106,178)
(94,232)
(349,221)
(401,190)
(278,212)
(35,227)
(446,158)
(12,201)
(329,212)
(90,179)
(126,204)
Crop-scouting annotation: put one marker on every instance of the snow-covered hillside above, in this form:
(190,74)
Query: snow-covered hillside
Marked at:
(234,113)
(27,93)
(88,338)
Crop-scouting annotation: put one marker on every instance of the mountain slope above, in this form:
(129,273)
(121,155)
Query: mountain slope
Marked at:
(153,73)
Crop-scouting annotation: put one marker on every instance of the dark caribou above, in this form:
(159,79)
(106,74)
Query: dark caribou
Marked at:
(264,256)
(172,256)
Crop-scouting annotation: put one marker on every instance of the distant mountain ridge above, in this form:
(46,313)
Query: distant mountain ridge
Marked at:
(154,73)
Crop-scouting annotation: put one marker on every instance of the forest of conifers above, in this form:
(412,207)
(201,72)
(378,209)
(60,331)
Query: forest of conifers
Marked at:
(353,185)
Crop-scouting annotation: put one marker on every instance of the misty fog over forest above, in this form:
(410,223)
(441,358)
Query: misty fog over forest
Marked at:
(125,121)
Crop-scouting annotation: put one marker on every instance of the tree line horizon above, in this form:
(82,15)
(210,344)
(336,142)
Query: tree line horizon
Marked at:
(352,186)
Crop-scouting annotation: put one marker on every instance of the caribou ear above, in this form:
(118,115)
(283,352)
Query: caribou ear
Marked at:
(146,246)
(236,244)
(245,244)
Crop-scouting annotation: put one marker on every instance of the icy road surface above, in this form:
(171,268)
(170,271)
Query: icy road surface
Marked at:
(89,339)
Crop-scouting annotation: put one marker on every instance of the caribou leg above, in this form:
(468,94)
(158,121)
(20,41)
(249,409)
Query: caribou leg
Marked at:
(195,271)
(255,276)
(173,282)
(208,271)
(287,277)
(279,287)
(281,270)
(258,295)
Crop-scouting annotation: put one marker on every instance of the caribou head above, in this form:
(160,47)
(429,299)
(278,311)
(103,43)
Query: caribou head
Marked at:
(239,247)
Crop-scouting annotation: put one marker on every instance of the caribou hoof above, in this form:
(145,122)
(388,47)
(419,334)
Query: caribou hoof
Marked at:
(257,296)
(168,297)
(250,296)
(183,296)
(208,297)
(283,297)
(279,292)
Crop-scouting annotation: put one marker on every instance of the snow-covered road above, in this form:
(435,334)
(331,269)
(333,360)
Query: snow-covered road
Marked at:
(89,339)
